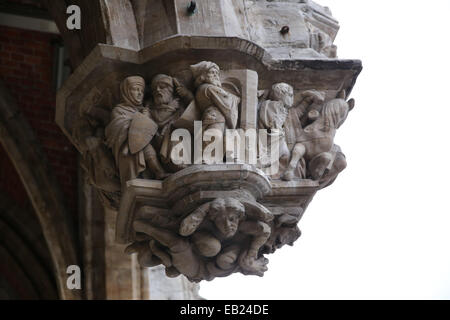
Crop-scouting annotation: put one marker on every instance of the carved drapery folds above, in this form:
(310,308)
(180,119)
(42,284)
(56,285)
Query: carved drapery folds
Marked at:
(211,148)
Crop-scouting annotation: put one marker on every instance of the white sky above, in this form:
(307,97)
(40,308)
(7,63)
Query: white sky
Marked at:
(382,230)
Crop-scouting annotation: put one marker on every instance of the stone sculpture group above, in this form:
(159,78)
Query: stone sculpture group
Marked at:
(228,233)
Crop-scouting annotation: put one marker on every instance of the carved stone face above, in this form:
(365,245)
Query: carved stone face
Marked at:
(227,222)
(212,76)
(283,92)
(162,93)
(137,93)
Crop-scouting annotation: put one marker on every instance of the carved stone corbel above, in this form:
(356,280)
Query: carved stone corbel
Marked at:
(143,119)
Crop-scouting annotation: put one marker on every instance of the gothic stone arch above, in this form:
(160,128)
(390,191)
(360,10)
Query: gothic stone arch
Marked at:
(24,150)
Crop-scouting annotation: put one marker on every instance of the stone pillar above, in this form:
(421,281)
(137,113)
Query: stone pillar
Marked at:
(123,278)
(92,222)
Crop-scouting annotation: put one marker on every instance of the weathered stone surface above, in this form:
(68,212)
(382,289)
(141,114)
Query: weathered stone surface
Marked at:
(141,24)
(266,66)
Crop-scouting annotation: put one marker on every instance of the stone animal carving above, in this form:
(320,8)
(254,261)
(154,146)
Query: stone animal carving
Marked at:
(315,143)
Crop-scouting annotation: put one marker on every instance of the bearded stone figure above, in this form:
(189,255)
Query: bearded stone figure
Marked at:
(219,107)
(130,132)
(170,99)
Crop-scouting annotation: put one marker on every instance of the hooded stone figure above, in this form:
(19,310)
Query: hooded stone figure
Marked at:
(130,132)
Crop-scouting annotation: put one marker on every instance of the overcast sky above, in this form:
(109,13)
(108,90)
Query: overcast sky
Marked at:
(382,230)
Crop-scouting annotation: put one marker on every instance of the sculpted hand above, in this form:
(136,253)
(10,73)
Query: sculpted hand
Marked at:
(193,221)
(189,225)
(182,91)
(137,247)
(254,266)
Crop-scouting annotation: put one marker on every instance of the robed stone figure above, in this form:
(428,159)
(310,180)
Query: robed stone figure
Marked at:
(130,132)
(219,107)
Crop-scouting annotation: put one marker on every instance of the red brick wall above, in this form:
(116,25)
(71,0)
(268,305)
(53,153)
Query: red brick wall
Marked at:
(32,3)
(10,182)
(26,68)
